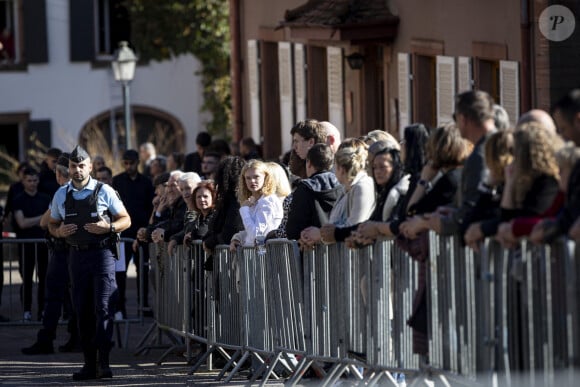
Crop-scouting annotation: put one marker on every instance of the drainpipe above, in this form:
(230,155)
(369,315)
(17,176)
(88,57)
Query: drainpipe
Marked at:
(527,67)
(236,71)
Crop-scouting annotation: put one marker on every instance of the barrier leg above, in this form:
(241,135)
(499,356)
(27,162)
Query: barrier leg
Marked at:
(335,373)
(179,347)
(237,367)
(141,347)
(202,359)
(269,369)
(231,361)
(379,375)
(300,371)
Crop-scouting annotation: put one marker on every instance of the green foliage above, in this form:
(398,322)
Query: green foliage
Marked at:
(163,29)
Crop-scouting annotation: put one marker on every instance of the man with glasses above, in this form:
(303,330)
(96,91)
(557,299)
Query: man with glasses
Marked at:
(136,192)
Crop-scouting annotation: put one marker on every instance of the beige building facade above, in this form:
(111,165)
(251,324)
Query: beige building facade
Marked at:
(294,59)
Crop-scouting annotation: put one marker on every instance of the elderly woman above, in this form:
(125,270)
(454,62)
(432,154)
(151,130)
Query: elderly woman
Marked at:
(357,202)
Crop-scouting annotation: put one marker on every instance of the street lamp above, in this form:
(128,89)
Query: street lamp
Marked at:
(123,64)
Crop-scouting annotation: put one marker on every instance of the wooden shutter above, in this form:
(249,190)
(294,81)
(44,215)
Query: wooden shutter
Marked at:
(35,32)
(464,76)
(254,87)
(404,78)
(510,89)
(335,87)
(82,30)
(286,93)
(445,83)
(299,82)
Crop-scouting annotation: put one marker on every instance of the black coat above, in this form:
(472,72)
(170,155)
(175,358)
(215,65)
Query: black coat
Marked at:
(312,202)
(225,223)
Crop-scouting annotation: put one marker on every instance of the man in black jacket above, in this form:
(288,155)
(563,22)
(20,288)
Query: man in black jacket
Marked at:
(315,196)
(136,192)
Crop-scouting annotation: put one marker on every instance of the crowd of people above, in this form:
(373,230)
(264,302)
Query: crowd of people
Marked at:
(476,177)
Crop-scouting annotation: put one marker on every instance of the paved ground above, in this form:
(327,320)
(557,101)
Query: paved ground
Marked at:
(17,369)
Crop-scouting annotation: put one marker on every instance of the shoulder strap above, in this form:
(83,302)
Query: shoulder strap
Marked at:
(97,189)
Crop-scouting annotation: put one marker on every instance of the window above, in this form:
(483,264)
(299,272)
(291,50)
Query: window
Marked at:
(112,25)
(488,77)
(9,32)
(96,28)
(23,34)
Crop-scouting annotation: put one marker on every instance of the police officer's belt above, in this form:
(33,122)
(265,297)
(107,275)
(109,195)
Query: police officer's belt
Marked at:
(92,246)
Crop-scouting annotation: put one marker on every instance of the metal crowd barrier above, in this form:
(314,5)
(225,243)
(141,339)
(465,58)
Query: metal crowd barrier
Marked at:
(491,315)
(15,248)
(224,317)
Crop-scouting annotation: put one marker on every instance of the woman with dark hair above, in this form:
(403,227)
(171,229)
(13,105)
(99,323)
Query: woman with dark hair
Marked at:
(414,156)
(200,209)
(391,184)
(227,220)
(249,149)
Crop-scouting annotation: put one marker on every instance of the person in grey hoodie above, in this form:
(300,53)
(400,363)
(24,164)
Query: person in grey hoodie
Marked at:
(314,196)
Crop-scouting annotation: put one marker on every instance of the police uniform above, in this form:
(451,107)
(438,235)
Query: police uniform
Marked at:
(91,265)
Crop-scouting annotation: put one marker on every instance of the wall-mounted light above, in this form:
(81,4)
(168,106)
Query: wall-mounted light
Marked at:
(355,61)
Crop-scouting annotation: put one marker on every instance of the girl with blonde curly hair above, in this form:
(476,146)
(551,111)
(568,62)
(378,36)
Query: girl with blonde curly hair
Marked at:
(531,182)
(260,205)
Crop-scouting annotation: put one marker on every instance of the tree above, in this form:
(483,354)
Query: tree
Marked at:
(163,29)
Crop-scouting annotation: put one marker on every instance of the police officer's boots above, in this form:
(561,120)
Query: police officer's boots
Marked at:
(104,370)
(89,370)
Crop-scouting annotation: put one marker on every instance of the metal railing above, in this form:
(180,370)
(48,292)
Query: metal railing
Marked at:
(13,251)
(490,315)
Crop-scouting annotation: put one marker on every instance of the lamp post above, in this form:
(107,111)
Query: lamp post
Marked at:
(123,64)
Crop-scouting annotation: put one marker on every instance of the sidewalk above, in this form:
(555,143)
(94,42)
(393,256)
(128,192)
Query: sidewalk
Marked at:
(17,369)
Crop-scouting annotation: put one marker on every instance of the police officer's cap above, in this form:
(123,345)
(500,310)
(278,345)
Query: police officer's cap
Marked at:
(63,159)
(78,154)
(131,155)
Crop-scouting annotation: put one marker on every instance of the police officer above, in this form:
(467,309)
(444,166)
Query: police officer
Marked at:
(87,214)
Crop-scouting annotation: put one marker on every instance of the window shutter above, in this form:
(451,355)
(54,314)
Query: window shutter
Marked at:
(404,76)
(41,131)
(286,93)
(335,87)
(254,87)
(299,82)
(82,30)
(445,89)
(463,74)
(510,89)
(35,32)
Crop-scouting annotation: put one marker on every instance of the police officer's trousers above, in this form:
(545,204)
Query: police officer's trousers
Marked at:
(94,293)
